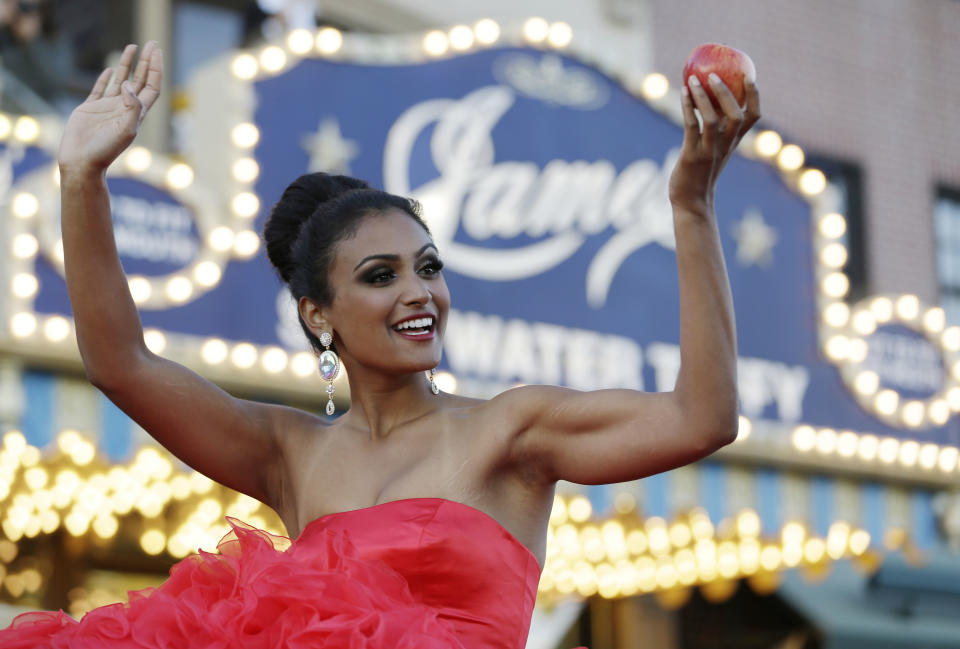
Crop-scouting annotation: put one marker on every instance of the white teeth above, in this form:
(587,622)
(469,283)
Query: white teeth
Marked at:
(417,323)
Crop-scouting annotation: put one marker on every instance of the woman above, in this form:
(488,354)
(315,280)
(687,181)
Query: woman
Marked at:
(419,517)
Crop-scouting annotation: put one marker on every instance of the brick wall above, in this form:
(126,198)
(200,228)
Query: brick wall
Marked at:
(871,81)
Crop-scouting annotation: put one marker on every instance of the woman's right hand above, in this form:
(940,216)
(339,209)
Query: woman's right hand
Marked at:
(105,124)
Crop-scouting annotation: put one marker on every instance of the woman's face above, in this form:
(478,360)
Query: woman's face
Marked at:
(390,301)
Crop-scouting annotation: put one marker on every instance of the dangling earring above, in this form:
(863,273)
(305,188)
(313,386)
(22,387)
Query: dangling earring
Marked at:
(432,375)
(329,368)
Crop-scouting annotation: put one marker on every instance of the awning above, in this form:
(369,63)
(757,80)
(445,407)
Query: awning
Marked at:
(901,606)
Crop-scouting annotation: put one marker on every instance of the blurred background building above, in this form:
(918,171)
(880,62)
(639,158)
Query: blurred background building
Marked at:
(834,522)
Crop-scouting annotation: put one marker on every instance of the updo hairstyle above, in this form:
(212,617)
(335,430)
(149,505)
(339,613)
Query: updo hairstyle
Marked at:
(315,213)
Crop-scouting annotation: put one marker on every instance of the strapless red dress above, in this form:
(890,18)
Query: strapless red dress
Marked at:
(420,573)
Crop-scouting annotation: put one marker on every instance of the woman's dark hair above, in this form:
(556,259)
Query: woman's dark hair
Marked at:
(315,213)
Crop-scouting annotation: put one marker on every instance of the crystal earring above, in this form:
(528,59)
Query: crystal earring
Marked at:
(432,375)
(329,368)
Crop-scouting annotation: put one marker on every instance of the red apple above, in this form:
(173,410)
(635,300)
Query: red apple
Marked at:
(730,64)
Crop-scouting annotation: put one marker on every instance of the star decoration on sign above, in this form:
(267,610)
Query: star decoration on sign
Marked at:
(755,239)
(329,150)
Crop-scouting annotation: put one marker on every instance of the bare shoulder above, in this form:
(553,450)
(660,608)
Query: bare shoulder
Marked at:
(299,436)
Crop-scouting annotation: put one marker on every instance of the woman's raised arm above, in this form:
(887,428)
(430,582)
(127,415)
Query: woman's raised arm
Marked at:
(618,435)
(228,439)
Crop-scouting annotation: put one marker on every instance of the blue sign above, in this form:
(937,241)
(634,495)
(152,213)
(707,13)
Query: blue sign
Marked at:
(545,185)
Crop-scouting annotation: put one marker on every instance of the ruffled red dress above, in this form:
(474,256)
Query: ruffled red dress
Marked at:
(420,573)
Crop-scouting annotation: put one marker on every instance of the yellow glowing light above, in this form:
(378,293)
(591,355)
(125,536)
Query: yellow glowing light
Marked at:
(770,558)
(888,449)
(951,338)
(6,127)
(859,542)
(105,526)
(834,255)
(939,411)
(658,537)
(274,360)
(814,550)
(461,37)
(435,43)
(790,157)
(867,383)
(909,453)
(837,314)
(446,382)
(812,182)
(826,441)
(837,347)
(934,319)
(214,351)
(655,86)
(748,523)
(245,205)
(179,176)
(153,542)
(536,29)
(56,328)
(24,246)
(36,478)
(58,250)
(637,542)
(24,285)
(138,159)
(487,31)
(246,170)
(744,428)
(867,447)
(886,402)
(244,66)
(244,355)
(768,143)
(329,40)
(25,205)
(949,458)
(579,509)
(23,324)
(179,288)
(928,456)
(246,243)
(303,364)
(300,41)
(140,288)
(793,533)
(882,308)
(560,34)
(836,284)
(913,413)
(680,534)
(847,443)
(804,438)
(864,322)
(221,238)
(833,225)
(858,350)
(273,58)
(155,341)
(207,273)
(624,502)
(26,129)
(245,135)
(908,307)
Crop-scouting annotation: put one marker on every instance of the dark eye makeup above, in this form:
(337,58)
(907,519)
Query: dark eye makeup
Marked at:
(430,266)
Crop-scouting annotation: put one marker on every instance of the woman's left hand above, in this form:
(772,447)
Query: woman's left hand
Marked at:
(705,152)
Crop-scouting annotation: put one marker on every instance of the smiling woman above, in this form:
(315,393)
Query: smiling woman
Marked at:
(418,517)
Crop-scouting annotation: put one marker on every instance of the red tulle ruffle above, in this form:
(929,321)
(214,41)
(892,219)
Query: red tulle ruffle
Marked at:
(259,592)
